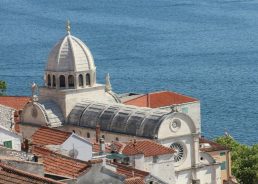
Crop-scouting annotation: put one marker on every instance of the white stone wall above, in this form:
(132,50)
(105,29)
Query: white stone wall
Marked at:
(163,168)
(6,135)
(187,142)
(109,136)
(6,116)
(192,109)
(67,99)
(209,174)
(83,147)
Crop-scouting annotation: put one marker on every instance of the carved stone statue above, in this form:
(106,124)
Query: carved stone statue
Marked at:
(34,92)
(108,84)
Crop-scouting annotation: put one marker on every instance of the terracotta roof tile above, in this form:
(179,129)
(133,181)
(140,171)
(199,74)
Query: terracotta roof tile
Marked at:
(146,147)
(213,146)
(59,164)
(160,99)
(136,180)
(15,102)
(49,136)
(130,172)
(10,175)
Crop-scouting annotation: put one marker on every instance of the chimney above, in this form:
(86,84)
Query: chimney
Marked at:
(102,146)
(97,133)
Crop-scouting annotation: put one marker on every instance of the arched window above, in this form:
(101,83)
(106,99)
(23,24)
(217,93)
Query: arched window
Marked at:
(103,136)
(80,80)
(117,139)
(88,135)
(70,81)
(54,81)
(62,81)
(87,79)
(48,80)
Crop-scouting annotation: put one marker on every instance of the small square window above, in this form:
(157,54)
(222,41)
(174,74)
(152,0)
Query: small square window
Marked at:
(223,165)
(8,144)
(222,153)
(155,159)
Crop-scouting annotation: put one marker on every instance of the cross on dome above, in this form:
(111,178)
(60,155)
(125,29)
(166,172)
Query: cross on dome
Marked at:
(68,27)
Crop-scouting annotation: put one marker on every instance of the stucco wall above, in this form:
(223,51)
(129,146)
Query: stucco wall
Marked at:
(220,159)
(83,147)
(6,135)
(163,168)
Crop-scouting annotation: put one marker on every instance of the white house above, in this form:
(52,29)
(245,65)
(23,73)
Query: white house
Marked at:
(10,139)
(66,143)
(147,155)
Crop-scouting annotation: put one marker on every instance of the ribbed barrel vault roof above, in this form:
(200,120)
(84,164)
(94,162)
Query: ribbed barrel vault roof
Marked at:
(119,118)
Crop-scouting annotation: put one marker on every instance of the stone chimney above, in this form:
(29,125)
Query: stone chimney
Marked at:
(102,146)
(97,133)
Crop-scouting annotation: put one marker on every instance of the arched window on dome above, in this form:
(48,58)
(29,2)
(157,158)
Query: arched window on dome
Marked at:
(87,79)
(54,81)
(80,80)
(71,81)
(48,80)
(62,81)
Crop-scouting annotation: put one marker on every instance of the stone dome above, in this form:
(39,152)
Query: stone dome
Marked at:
(70,65)
(70,54)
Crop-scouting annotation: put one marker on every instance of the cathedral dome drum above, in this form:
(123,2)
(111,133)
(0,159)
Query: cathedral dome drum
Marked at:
(70,64)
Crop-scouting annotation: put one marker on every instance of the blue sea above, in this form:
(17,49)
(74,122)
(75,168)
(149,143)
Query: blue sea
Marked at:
(207,49)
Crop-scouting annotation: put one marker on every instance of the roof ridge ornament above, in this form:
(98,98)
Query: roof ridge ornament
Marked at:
(108,86)
(68,27)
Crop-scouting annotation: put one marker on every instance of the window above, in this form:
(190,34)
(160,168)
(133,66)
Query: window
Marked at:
(48,80)
(62,81)
(80,80)
(223,165)
(180,152)
(54,81)
(117,139)
(88,135)
(8,144)
(103,136)
(155,159)
(70,81)
(87,79)
(222,153)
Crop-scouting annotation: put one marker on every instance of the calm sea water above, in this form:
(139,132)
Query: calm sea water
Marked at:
(205,49)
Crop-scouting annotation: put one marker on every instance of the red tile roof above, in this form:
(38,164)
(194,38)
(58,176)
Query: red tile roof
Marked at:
(136,180)
(15,102)
(10,175)
(213,146)
(59,164)
(160,99)
(146,147)
(49,136)
(96,148)
(130,172)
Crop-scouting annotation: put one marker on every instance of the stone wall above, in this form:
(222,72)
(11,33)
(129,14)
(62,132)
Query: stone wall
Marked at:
(6,117)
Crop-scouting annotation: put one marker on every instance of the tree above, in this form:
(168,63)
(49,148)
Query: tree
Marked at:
(3,87)
(244,160)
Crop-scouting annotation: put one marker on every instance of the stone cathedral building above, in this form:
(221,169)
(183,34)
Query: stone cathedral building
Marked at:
(72,100)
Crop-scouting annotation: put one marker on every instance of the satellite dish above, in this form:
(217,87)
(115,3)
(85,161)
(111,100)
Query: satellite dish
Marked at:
(73,153)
